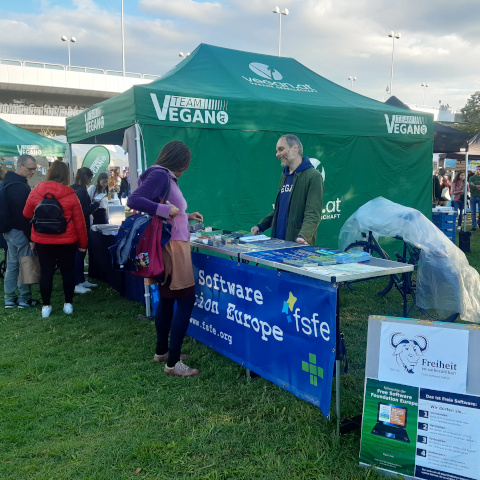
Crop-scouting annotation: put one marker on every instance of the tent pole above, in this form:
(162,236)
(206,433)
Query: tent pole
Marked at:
(70,162)
(138,149)
(465,192)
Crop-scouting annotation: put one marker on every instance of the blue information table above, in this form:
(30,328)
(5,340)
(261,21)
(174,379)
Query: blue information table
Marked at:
(297,312)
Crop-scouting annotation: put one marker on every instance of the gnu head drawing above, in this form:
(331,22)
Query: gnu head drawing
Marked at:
(408,351)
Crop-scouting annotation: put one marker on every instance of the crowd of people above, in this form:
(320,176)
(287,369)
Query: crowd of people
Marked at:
(81,205)
(447,191)
(296,217)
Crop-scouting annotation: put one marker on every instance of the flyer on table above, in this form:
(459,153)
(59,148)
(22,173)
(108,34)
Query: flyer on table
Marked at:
(424,356)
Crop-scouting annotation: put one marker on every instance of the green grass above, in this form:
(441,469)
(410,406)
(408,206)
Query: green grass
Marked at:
(80,398)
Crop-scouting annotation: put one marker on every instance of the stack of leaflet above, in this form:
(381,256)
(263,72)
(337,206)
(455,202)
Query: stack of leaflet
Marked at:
(253,238)
(341,257)
(305,258)
(353,257)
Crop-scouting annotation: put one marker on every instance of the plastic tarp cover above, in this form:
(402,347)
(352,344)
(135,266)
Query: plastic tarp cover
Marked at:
(445,280)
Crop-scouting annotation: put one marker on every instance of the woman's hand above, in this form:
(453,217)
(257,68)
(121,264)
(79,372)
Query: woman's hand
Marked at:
(174,211)
(82,250)
(195,216)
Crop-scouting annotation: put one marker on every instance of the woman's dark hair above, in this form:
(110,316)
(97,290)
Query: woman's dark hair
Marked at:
(83,176)
(457,177)
(175,156)
(99,188)
(59,172)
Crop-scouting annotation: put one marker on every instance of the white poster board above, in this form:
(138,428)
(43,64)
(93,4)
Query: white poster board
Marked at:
(421,415)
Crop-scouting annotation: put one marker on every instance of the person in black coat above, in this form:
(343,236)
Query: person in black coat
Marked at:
(83,177)
(18,238)
(436,190)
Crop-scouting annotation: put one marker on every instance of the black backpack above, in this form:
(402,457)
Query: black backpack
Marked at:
(124,185)
(48,216)
(6,218)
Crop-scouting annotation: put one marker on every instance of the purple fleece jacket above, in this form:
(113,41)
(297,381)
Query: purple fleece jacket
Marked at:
(147,197)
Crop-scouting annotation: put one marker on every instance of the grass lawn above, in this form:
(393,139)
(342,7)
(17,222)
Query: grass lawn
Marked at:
(80,398)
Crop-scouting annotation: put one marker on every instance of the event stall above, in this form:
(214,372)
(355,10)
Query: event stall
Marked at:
(230,107)
(16,141)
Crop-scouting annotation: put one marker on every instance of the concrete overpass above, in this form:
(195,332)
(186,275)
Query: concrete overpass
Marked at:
(40,96)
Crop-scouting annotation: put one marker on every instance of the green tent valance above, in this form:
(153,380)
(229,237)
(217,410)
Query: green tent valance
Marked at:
(16,141)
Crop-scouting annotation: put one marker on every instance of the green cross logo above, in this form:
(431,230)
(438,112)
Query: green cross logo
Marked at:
(311,367)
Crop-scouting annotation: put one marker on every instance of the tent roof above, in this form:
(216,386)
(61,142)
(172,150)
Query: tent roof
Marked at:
(474,145)
(15,141)
(447,139)
(234,90)
(396,102)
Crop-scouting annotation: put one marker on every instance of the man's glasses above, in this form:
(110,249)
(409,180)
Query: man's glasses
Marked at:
(30,169)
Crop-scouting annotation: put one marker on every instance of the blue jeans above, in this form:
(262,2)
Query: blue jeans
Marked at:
(18,246)
(474,203)
(458,206)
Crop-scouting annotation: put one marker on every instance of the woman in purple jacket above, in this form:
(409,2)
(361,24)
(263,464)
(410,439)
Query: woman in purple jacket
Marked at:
(179,283)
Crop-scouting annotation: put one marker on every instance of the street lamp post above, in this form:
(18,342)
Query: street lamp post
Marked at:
(280,13)
(71,40)
(352,79)
(393,36)
(424,85)
(123,45)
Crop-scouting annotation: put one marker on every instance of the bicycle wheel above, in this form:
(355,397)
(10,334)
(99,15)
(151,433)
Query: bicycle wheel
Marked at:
(374,251)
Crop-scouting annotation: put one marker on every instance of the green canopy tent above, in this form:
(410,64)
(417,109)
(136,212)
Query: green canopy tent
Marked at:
(230,107)
(16,141)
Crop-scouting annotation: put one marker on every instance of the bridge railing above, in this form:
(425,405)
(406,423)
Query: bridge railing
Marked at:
(72,68)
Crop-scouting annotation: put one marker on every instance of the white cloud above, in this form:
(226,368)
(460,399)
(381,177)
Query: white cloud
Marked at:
(439,45)
(199,12)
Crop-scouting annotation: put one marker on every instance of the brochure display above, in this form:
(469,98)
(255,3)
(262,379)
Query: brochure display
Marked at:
(421,414)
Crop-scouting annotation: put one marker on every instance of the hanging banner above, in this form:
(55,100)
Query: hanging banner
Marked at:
(97,160)
(473,164)
(280,326)
(450,162)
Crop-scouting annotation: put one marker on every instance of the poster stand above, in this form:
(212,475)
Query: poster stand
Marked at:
(421,415)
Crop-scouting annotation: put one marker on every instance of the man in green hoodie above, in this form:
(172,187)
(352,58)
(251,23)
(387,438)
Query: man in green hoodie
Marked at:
(298,206)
